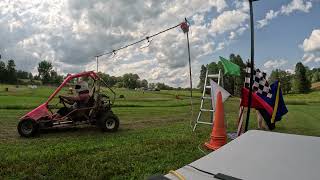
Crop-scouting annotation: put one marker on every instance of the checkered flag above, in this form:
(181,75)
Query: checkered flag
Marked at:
(260,83)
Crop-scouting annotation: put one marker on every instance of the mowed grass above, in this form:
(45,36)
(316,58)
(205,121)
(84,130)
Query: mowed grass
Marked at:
(154,136)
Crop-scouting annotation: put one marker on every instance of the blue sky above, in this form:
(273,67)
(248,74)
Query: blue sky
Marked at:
(69,33)
(280,39)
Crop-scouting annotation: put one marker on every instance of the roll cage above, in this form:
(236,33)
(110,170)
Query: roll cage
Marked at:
(90,74)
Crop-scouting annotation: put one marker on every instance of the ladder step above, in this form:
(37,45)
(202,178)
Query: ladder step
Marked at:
(202,122)
(207,110)
(204,96)
(213,75)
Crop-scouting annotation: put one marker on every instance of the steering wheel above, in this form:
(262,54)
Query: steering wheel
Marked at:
(61,100)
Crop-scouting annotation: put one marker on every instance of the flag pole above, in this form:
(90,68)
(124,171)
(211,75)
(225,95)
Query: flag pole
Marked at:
(97,61)
(251,64)
(190,74)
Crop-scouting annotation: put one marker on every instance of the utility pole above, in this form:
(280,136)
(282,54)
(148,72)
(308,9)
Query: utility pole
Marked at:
(190,73)
(185,28)
(97,64)
(251,64)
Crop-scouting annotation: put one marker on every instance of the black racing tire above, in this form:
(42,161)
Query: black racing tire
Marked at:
(27,128)
(108,122)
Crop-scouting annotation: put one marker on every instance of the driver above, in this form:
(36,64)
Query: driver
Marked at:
(79,101)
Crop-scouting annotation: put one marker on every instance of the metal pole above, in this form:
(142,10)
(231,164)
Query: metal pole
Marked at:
(251,65)
(97,64)
(190,74)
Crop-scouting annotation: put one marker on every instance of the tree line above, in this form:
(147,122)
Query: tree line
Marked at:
(297,82)
(132,81)
(48,76)
(231,83)
(9,74)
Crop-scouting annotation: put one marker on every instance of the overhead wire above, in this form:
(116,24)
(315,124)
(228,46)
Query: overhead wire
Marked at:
(147,38)
(136,42)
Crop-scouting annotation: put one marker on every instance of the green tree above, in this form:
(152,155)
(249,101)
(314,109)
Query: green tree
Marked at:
(3,72)
(22,74)
(163,86)
(55,78)
(316,77)
(11,74)
(152,85)
(284,77)
(144,83)
(113,80)
(231,83)
(309,73)
(301,84)
(110,80)
(236,82)
(30,76)
(44,69)
(130,80)
(202,76)
(37,77)
(119,84)
(213,68)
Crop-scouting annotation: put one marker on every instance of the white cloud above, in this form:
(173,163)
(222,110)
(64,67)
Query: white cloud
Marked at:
(311,57)
(311,47)
(275,63)
(241,30)
(219,4)
(70,33)
(232,35)
(221,45)
(313,42)
(228,20)
(198,19)
(242,5)
(269,16)
(294,5)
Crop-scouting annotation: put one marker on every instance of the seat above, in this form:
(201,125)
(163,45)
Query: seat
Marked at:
(83,113)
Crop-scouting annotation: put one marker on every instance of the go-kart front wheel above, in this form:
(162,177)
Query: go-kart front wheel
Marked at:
(108,122)
(27,128)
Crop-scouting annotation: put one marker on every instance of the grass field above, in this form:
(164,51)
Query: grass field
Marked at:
(154,136)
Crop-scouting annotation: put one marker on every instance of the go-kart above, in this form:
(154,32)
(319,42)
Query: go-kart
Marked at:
(96,112)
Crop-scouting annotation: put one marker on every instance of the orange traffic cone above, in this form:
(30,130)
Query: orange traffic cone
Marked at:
(219,133)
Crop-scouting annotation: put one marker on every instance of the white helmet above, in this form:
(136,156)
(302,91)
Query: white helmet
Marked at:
(81,86)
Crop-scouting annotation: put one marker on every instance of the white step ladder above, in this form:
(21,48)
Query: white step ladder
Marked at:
(204,97)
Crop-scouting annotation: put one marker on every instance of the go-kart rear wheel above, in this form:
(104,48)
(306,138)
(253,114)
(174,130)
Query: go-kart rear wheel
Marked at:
(27,128)
(108,122)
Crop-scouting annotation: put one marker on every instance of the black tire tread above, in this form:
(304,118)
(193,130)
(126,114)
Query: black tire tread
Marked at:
(34,131)
(103,117)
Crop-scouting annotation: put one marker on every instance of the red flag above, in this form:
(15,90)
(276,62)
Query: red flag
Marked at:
(257,102)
